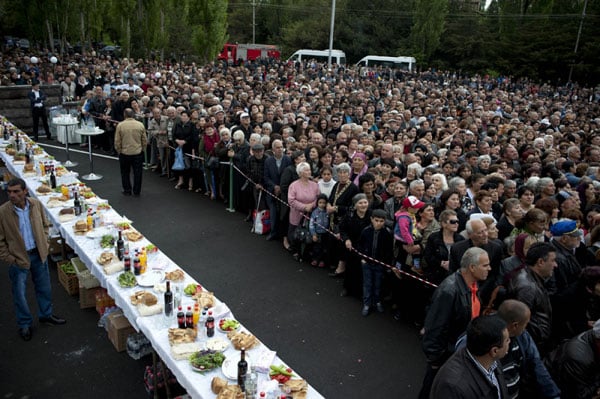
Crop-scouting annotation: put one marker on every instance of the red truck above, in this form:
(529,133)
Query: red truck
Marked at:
(248,52)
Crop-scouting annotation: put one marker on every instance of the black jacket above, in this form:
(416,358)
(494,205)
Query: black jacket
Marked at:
(447,318)
(461,378)
(384,251)
(529,288)
(495,253)
(435,252)
(576,367)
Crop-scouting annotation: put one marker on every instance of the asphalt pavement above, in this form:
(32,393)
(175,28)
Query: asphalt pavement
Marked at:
(292,307)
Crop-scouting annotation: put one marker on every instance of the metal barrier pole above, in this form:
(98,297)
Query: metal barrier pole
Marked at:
(146,166)
(230,208)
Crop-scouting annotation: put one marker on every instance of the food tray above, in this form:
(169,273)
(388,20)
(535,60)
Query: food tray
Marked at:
(68,281)
(86,278)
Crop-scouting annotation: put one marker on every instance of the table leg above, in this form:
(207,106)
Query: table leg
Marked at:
(68,163)
(91,175)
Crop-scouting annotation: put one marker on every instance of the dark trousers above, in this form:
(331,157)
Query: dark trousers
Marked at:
(37,113)
(127,164)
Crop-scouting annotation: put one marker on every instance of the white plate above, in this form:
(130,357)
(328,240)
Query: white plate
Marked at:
(150,278)
(229,366)
(217,344)
(98,233)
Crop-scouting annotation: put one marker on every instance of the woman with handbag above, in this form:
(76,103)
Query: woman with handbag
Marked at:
(302,198)
(184,134)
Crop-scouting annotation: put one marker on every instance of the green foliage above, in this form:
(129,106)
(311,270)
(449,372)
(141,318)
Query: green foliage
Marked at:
(534,38)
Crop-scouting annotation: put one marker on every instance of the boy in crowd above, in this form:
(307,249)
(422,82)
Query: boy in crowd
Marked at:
(375,242)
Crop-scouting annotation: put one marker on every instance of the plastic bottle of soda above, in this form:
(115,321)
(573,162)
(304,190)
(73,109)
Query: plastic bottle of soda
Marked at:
(210,325)
(127,261)
(180,318)
(189,318)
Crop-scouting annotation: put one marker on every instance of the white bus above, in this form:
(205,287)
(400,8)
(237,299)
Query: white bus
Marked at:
(404,63)
(337,56)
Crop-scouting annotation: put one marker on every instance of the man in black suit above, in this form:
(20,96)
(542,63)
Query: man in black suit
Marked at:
(38,109)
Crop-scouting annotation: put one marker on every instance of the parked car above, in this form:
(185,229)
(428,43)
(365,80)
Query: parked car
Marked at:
(111,50)
(23,44)
(8,43)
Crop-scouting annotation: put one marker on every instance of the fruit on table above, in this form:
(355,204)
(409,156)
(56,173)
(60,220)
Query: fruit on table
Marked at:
(280,373)
(190,289)
(228,324)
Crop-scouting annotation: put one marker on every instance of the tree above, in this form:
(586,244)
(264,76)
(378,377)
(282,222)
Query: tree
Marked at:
(428,27)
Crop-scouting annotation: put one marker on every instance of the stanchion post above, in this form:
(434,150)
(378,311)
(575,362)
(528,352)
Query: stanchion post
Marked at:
(146,167)
(230,208)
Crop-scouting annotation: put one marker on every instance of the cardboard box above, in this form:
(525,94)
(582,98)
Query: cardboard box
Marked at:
(87,297)
(119,329)
(55,246)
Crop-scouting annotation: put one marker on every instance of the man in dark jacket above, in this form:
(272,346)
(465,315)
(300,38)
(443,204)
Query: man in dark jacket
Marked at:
(38,109)
(274,167)
(455,302)
(575,365)
(473,372)
(478,237)
(528,287)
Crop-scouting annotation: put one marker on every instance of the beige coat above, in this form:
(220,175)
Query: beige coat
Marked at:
(12,246)
(130,137)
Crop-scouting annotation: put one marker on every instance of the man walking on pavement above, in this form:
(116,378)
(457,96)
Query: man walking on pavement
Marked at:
(24,247)
(130,141)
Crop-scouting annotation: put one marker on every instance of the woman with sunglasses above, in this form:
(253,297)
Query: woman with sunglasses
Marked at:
(437,248)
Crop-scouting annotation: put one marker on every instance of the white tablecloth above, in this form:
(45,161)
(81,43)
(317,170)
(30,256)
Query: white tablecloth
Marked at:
(154,327)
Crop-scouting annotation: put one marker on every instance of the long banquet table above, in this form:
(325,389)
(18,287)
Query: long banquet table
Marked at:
(155,328)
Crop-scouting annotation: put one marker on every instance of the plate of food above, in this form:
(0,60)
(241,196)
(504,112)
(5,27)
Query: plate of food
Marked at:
(150,278)
(226,325)
(230,368)
(217,344)
(126,280)
(133,235)
(106,241)
(208,360)
(190,289)
(44,190)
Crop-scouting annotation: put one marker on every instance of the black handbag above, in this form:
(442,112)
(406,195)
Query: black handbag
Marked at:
(302,234)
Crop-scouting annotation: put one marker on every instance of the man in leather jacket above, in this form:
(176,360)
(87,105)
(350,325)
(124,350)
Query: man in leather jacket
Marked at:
(575,365)
(528,286)
(450,312)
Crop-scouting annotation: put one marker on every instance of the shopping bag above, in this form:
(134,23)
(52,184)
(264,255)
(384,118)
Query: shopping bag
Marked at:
(261,220)
(179,163)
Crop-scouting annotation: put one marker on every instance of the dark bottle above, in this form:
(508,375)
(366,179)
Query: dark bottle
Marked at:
(180,318)
(28,157)
(168,300)
(52,178)
(189,318)
(127,262)
(77,205)
(137,267)
(6,132)
(120,246)
(242,371)
(210,325)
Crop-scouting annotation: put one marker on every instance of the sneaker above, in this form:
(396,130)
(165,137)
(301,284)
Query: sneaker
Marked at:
(313,263)
(365,311)
(380,308)
(321,264)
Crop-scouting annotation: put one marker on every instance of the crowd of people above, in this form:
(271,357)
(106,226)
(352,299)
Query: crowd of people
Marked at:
(444,197)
